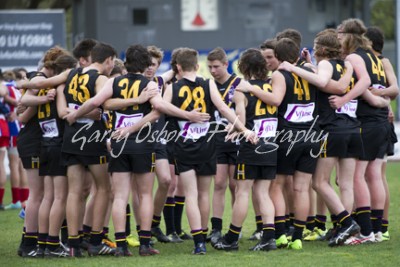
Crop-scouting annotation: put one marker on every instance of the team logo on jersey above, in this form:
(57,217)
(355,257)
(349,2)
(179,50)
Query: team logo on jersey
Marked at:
(80,120)
(193,131)
(300,112)
(125,120)
(349,109)
(266,127)
(49,128)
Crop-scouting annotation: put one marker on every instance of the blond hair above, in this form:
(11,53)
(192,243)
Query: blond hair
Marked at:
(156,52)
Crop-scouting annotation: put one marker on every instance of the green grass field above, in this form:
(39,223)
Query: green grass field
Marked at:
(313,254)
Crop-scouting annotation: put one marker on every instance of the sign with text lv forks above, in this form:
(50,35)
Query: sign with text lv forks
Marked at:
(25,35)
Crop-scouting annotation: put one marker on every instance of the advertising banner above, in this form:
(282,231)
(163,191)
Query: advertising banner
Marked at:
(26,34)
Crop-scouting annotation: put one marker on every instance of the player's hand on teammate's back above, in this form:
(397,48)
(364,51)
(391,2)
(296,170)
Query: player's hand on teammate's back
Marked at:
(286,66)
(244,86)
(146,94)
(251,136)
(120,133)
(21,108)
(70,117)
(51,94)
(336,101)
(198,117)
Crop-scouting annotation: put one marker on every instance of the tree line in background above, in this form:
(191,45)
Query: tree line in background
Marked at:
(383,15)
(35,4)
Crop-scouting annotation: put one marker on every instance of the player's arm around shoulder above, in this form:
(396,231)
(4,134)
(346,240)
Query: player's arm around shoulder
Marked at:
(46,82)
(278,88)
(340,87)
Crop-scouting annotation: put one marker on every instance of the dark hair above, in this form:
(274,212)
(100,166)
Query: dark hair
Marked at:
(83,48)
(64,62)
(187,59)
(101,52)
(375,35)
(268,44)
(174,54)
(292,34)
(287,50)
(217,54)
(252,64)
(137,59)
(17,72)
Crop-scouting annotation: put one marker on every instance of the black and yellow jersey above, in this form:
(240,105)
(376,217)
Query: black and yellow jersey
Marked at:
(193,143)
(367,114)
(29,138)
(298,108)
(159,126)
(85,136)
(130,86)
(262,119)
(301,62)
(227,90)
(344,119)
(50,123)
